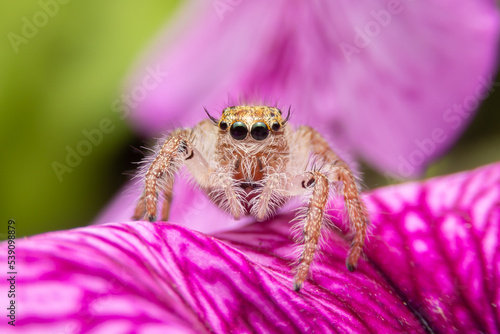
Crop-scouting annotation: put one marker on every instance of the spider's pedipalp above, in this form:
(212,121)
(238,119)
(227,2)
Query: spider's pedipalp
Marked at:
(228,196)
(270,196)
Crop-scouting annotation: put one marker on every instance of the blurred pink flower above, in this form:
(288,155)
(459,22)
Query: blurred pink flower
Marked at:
(431,266)
(394,82)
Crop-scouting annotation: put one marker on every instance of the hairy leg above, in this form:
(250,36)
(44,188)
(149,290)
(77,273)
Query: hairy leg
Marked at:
(140,209)
(313,219)
(161,172)
(335,169)
(356,211)
(178,150)
(167,199)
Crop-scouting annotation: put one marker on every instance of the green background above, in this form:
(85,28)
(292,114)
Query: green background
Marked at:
(65,79)
(61,82)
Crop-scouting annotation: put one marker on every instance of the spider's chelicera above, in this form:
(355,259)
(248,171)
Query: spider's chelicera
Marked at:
(251,161)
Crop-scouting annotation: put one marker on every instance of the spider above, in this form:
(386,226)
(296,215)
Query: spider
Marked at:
(251,161)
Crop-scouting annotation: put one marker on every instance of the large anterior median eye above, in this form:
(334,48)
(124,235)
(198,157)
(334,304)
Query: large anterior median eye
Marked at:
(239,130)
(259,131)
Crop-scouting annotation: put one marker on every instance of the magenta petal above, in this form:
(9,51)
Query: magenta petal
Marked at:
(438,244)
(420,79)
(432,264)
(396,95)
(141,276)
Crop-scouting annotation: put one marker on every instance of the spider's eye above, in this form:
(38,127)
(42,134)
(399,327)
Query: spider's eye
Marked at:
(223,125)
(260,131)
(276,126)
(239,130)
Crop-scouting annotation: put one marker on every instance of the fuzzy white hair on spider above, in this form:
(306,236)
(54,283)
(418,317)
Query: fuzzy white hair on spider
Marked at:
(251,161)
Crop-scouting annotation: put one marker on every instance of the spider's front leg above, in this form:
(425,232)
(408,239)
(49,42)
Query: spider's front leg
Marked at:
(179,150)
(334,170)
(174,152)
(313,219)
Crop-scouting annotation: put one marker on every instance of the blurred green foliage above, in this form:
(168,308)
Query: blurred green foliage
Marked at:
(64,80)
(60,82)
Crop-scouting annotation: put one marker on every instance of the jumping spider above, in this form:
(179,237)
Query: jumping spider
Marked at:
(250,161)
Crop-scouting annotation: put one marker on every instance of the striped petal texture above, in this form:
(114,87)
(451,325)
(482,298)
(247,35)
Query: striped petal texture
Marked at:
(431,266)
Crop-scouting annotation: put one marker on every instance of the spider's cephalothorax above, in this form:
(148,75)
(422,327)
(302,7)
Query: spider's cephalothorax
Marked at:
(251,141)
(250,161)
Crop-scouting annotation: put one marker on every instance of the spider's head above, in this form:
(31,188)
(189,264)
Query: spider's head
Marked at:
(251,122)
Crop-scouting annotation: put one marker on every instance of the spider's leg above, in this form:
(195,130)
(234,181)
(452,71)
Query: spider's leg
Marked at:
(167,200)
(140,209)
(177,150)
(358,216)
(161,171)
(313,219)
(335,170)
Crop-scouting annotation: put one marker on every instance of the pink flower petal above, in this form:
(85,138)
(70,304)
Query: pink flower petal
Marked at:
(394,82)
(437,243)
(432,265)
(135,276)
